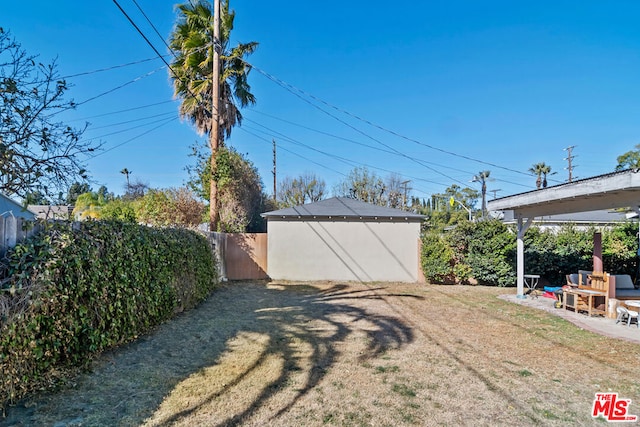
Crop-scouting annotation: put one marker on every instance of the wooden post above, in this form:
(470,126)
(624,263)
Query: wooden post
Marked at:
(597,252)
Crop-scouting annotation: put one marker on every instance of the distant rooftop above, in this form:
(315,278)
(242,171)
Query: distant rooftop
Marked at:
(52,211)
(343,208)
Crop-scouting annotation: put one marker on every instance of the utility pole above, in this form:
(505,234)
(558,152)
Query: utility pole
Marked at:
(274,170)
(495,192)
(404,195)
(214,135)
(570,159)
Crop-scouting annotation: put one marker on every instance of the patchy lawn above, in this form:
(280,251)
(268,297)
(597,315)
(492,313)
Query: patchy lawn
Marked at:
(349,355)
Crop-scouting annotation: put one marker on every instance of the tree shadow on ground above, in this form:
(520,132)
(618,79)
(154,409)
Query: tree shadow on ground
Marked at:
(128,385)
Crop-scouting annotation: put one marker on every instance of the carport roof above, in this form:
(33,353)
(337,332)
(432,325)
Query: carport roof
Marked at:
(343,208)
(614,190)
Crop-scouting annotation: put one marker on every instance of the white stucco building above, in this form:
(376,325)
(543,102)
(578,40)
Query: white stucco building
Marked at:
(343,239)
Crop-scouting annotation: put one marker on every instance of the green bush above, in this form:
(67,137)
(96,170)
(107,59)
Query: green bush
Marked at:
(486,252)
(437,258)
(75,291)
(492,253)
(573,251)
(620,249)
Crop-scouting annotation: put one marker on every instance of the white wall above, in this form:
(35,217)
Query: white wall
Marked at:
(343,250)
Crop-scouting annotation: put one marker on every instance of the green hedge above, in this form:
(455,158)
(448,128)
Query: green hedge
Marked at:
(76,290)
(486,252)
(437,258)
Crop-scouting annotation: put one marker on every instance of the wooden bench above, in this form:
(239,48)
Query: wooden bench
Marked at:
(590,295)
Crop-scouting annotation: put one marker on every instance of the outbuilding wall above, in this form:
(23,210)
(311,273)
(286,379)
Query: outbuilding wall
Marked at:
(343,250)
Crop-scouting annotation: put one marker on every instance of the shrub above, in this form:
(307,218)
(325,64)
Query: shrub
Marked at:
(75,291)
(118,210)
(492,253)
(486,252)
(437,258)
(620,249)
(170,207)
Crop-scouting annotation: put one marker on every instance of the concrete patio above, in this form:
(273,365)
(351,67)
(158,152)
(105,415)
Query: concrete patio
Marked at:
(598,324)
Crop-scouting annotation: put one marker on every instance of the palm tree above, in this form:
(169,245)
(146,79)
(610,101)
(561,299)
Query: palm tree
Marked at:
(192,71)
(537,169)
(546,170)
(482,177)
(126,172)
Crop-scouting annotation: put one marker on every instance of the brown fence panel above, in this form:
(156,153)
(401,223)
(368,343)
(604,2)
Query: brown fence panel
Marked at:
(245,256)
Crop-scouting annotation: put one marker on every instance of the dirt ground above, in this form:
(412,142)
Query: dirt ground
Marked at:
(258,354)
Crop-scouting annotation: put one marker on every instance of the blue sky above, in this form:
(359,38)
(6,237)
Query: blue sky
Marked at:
(463,86)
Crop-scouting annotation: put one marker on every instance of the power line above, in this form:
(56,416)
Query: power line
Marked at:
(131,128)
(358,130)
(327,134)
(114,67)
(344,160)
(76,104)
(131,121)
(358,142)
(119,87)
(302,144)
(132,139)
(294,153)
(349,162)
(173,73)
(142,34)
(154,28)
(122,111)
(294,90)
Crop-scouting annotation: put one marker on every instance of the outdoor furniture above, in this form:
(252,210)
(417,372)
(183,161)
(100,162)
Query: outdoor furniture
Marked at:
(625,288)
(626,314)
(573,280)
(589,294)
(531,281)
(633,306)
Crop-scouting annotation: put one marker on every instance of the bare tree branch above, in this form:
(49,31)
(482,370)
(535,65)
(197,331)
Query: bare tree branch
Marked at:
(38,152)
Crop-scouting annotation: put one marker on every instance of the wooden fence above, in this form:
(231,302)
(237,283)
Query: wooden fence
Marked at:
(13,230)
(241,256)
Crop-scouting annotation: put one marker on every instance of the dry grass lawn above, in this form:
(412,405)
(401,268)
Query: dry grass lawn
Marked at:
(335,354)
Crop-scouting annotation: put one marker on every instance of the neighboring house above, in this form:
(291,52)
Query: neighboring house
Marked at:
(8,207)
(343,239)
(13,217)
(581,220)
(52,212)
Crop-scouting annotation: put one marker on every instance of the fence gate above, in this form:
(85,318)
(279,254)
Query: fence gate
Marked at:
(243,255)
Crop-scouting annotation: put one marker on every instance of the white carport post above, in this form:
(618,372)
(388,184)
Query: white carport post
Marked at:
(522,229)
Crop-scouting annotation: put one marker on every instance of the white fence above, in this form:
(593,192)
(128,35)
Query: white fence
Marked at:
(13,230)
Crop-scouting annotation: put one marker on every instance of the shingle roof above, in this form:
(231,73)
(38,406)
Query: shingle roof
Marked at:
(343,208)
(52,211)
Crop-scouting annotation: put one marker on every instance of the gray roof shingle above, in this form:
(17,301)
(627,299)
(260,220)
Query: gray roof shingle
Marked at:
(345,208)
